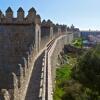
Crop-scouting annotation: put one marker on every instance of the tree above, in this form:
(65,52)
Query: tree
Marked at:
(78,42)
(87,70)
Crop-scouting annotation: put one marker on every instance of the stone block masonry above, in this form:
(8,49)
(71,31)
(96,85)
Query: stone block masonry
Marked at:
(53,59)
(21,40)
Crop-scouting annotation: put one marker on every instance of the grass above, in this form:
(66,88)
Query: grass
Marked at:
(63,73)
(59,92)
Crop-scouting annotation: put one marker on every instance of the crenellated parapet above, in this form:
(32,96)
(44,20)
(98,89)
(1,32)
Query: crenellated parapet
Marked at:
(1,15)
(38,19)
(47,23)
(9,15)
(31,15)
(8,18)
(60,28)
(20,15)
(21,39)
(46,27)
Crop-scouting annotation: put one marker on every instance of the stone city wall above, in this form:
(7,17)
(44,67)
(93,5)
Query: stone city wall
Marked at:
(21,40)
(54,52)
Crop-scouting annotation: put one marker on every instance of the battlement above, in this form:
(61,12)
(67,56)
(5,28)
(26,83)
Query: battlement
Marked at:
(21,39)
(47,23)
(31,18)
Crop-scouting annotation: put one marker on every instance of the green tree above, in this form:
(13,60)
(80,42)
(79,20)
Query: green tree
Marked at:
(87,71)
(78,42)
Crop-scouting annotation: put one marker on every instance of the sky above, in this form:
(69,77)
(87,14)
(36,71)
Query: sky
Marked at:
(84,14)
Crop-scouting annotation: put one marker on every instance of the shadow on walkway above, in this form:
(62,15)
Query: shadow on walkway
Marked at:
(34,84)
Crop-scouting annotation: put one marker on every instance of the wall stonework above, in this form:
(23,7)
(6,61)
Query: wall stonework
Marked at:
(55,51)
(21,40)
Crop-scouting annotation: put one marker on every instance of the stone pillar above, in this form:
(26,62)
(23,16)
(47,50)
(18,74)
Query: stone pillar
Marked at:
(0,15)
(27,58)
(30,50)
(24,64)
(37,33)
(66,29)
(5,94)
(30,53)
(20,75)
(31,15)
(20,14)
(9,14)
(37,37)
(15,87)
(51,32)
(59,30)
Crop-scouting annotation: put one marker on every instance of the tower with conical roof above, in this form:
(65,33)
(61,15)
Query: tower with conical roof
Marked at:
(31,15)
(9,14)
(20,14)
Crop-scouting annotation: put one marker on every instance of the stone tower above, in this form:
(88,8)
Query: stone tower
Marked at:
(31,15)
(37,32)
(20,14)
(9,14)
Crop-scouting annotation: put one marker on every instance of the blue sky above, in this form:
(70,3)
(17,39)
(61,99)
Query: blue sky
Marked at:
(84,14)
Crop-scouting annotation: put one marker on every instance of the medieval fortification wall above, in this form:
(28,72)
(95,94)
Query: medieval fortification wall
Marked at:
(21,39)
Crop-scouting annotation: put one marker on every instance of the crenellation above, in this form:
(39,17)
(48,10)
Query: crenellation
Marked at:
(46,28)
(4,95)
(20,19)
(15,91)
(24,65)
(27,58)
(31,15)
(38,19)
(44,22)
(49,22)
(21,39)
(59,29)
(20,14)
(9,15)
(20,75)
(30,50)
(1,16)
